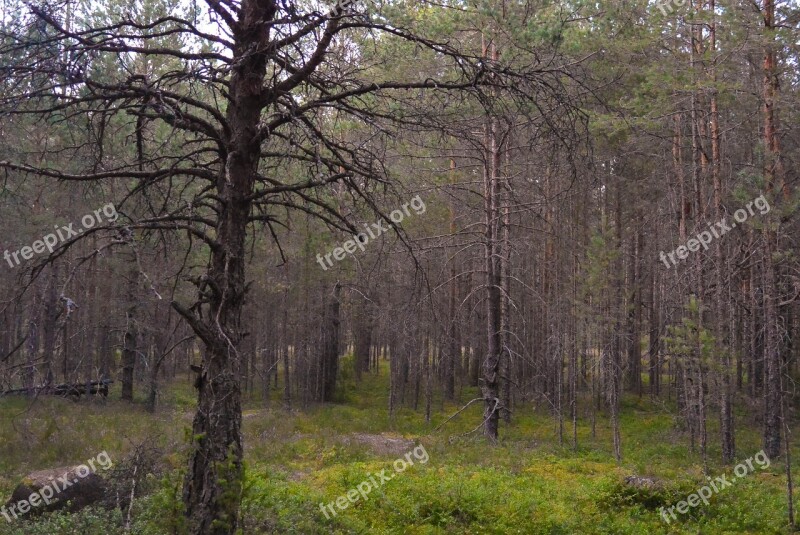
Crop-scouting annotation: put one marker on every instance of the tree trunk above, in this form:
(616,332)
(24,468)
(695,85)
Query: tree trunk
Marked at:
(50,312)
(634,375)
(726,395)
(330,353)
(654,345)
(363,339)
(490,387)
(131,335)
(213,487)
(773,172)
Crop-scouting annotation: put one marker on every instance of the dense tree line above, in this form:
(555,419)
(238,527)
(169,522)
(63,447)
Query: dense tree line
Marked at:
(581,168)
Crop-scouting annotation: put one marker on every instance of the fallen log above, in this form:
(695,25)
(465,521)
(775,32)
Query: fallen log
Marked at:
(89,388)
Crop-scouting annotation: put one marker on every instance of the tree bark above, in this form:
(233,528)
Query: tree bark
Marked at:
(130,338)
(773,172)
(330,353)
(490,386)
(213,487)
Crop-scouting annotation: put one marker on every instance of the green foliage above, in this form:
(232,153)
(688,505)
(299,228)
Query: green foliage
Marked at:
(346,380)
(163,511)
(90,520)
(617,493)
(525,485)
(688,339)
(230,475)
(272,503)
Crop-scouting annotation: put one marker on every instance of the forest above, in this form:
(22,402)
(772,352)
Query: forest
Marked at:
(399,266)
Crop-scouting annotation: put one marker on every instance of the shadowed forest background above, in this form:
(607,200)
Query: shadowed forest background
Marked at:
(585,309)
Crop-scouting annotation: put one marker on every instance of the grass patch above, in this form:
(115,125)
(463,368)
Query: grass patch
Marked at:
(528,484)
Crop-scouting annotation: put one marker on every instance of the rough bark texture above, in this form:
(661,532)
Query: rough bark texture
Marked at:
(213,486)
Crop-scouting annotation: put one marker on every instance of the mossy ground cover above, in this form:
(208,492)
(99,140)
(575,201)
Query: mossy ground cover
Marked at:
(295,460)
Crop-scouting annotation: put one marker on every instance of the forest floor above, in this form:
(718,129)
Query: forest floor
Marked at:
(297,460)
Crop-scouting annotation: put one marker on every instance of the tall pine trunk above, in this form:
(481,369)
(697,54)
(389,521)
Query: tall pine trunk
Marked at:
(490,386)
